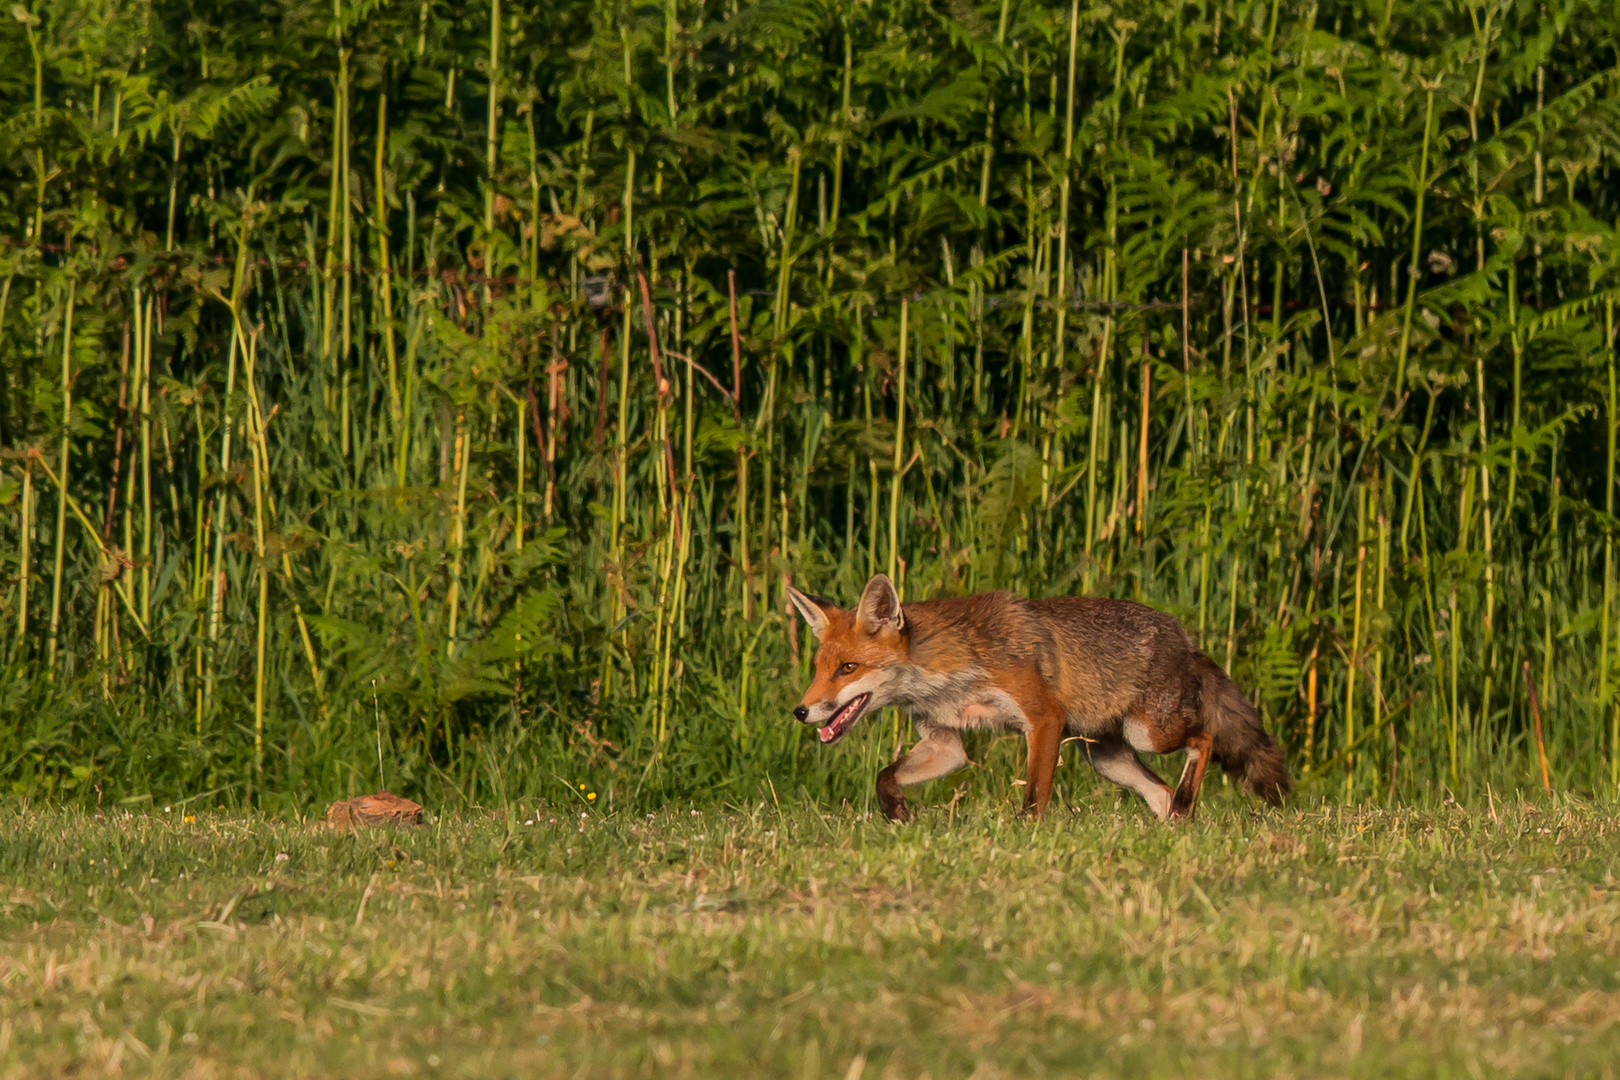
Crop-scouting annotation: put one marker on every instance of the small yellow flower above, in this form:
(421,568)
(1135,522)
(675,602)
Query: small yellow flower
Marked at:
(582,787)
(191,819)
(591,796)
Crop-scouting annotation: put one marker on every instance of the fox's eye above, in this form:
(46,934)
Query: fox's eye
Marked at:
(847,669)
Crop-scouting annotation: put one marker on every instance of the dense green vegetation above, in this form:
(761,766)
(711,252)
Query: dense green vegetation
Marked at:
(367,395)
(1323,942)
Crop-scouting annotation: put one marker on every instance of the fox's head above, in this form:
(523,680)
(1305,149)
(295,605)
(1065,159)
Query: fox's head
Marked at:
(859,666)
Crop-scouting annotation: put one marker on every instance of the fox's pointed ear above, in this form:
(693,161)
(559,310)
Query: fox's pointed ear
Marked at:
(814,609)
(880,606)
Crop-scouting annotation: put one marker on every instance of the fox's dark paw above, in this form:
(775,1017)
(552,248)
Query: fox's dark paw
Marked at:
(890,800)
(894,809)
(1030,810)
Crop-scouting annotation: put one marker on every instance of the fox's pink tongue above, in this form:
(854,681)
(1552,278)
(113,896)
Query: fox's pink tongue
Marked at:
(842,721)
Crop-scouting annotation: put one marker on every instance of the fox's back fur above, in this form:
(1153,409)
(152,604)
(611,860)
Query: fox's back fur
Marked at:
(1120,670)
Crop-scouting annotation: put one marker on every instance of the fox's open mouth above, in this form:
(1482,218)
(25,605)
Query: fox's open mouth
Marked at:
(843,720)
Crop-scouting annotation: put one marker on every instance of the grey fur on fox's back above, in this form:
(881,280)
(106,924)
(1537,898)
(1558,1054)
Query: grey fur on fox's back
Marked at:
(1155,648)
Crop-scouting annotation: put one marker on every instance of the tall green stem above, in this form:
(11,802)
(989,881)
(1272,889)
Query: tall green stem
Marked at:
(146,454)
(1608,544)
(490,144)
(385,286)
(458,537)
(65,473)
(1062,243)
(1417,247)
(256,422)
(899,445)
(25,545)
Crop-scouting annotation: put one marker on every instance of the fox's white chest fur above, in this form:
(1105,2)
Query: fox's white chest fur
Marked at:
(961,701)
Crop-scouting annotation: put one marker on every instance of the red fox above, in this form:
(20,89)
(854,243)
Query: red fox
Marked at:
(1120,676)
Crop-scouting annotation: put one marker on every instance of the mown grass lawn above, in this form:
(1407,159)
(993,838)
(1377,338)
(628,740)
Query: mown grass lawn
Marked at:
(1312,942)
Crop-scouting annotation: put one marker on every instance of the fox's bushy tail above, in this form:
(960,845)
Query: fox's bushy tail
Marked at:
(1243,748)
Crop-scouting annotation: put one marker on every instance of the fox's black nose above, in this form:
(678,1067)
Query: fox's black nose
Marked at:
(801,713)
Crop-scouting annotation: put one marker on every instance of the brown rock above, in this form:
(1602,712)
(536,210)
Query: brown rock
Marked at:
(370,811)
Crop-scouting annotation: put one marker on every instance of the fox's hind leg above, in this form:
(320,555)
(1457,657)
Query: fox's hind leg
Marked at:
(1116,761)
(939,753)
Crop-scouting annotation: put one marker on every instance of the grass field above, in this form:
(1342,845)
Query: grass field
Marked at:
(1477,941)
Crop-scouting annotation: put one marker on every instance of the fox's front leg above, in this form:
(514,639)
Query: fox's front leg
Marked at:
(1044,737)
(1185,801)
(939,753)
